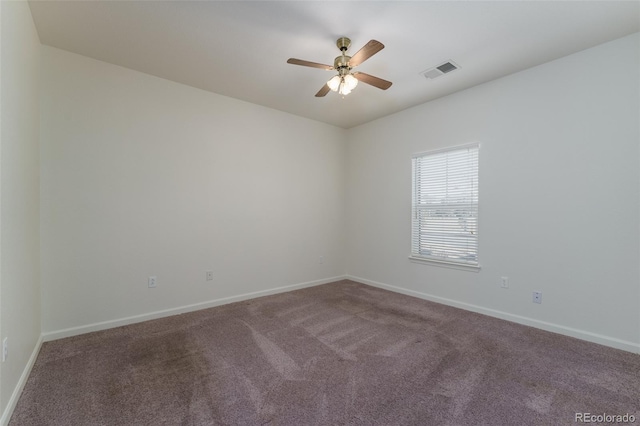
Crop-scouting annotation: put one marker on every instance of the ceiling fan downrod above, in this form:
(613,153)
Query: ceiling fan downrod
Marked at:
(341,63)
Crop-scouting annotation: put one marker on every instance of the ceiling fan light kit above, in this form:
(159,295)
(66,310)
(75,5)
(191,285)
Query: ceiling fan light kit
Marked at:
(346,80)
(343,85)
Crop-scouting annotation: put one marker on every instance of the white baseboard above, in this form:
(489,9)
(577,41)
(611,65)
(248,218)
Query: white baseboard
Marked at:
(15,396)
(555,328)
(74,331)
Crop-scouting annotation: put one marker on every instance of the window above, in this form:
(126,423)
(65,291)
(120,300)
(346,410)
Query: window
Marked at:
(445,207)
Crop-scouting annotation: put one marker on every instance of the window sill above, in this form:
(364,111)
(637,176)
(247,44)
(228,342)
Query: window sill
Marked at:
(445,264)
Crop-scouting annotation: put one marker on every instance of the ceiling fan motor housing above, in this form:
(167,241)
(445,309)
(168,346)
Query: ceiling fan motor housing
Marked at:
(341,63)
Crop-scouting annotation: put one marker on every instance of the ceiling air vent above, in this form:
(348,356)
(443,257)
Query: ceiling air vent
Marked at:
(441,69)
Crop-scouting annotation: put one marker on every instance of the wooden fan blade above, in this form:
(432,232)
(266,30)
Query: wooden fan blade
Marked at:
(367,51)
(295,61)
(323,92)
(374,81)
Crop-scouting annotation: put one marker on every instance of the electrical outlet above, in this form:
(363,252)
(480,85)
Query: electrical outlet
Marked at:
(209,275)
(504,282)
(537,297)
(5,349)
(152,282)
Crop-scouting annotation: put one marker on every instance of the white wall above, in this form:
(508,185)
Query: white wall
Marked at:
(559,195)
(142,176)
(19,198)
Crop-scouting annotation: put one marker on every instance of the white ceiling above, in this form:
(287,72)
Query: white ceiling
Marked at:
(240,48)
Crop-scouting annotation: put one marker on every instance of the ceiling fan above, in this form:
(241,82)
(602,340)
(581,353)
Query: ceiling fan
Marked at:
(346,80)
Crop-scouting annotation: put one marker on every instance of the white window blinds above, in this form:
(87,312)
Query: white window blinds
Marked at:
(445,206)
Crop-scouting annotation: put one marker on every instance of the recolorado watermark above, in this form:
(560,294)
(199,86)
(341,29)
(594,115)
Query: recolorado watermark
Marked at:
(605,418)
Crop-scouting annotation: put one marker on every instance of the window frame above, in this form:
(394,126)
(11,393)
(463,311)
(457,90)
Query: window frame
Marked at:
(444,262)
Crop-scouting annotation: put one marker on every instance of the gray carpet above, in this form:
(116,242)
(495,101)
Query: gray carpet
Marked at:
(340,353)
